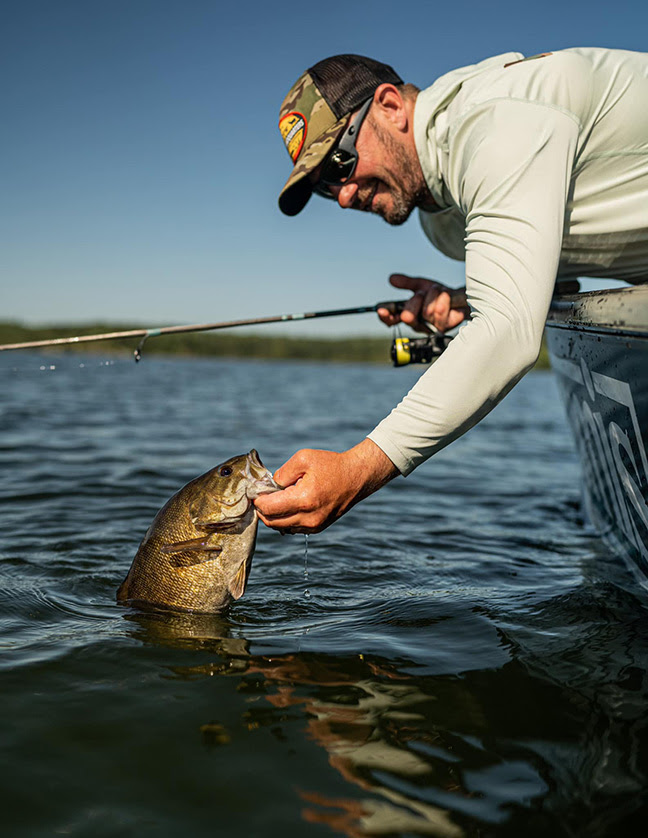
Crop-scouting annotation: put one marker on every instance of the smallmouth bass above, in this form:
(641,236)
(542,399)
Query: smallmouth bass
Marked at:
(197,553)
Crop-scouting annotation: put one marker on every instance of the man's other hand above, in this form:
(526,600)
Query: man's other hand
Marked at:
(432,302)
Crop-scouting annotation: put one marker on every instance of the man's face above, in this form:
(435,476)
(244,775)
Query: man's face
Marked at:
(386,181)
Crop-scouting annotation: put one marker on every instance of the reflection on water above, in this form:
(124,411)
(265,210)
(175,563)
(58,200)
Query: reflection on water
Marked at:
(457,656)
(537,742)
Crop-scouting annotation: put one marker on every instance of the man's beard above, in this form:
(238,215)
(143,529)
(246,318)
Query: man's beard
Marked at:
(410,190)
(402,206)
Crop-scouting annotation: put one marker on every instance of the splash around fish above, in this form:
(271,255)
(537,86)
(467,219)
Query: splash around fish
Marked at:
(197,553)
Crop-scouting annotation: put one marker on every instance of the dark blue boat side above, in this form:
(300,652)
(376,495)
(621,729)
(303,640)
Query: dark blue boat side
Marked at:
(598,344)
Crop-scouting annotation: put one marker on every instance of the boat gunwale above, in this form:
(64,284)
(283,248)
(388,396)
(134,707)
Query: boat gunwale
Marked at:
(610,331)
(620,311)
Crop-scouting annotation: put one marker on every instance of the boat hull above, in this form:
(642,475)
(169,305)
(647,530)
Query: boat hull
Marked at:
(598,345)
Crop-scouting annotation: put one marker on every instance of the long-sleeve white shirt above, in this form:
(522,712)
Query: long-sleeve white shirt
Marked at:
(539,168)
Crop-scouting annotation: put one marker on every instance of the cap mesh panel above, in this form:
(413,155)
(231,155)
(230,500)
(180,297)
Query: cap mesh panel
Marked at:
(346,81)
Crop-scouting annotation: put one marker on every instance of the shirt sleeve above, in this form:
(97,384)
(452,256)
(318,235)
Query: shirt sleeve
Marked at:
(510,164)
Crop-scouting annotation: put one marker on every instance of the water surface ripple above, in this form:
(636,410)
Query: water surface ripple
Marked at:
(462,658)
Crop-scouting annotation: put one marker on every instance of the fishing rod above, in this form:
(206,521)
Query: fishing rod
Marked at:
(394,306)
(403,351)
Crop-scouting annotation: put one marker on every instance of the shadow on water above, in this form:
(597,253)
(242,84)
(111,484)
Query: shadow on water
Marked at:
(552,742)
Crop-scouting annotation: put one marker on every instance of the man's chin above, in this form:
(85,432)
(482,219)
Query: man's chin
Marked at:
(392,205)
(395,216)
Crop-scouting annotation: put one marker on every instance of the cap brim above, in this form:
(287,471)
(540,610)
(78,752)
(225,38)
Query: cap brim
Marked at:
(298,189)
(295,195)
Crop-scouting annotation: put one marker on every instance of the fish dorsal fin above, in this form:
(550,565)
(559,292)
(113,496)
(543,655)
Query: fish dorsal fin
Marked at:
(237,585)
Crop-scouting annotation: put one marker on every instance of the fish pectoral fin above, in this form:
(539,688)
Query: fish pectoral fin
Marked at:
(201,543)
(233,525)
(238,583)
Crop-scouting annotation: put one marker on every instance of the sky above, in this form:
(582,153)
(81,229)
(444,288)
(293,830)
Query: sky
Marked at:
(141,163)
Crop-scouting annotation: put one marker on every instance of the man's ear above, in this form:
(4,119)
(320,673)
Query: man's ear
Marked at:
(389,106)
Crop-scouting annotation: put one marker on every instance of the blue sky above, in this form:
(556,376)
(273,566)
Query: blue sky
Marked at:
(141,162)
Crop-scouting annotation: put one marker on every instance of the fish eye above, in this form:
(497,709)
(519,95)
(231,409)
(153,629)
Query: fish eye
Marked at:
(225,471)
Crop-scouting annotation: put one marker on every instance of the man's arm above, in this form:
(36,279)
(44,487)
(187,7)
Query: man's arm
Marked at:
(509,171)
(322,485)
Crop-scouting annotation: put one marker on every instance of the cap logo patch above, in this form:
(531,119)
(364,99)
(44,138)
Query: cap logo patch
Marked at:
(293,130)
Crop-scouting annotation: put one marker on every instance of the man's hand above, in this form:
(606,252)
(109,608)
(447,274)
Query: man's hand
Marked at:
(443,307)
(322,485)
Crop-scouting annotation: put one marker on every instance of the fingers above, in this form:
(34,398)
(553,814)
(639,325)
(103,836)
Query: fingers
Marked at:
(424,305)
(387,317)
(292,510)
(431,303)
(412,307)
(296,507)
(292,470)
(413,311)
(280,506)
(437,310)
(412,283)
(456,316)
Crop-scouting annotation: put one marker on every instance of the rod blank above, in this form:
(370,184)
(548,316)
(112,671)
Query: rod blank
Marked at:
(145,334)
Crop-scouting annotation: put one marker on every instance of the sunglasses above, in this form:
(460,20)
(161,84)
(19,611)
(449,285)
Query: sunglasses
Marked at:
(340,164)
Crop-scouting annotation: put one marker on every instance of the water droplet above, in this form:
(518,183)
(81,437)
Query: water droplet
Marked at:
(306,591)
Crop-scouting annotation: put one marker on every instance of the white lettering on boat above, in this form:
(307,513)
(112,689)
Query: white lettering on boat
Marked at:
(614,458)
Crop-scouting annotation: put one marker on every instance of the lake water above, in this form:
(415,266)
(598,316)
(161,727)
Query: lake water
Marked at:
(459,655)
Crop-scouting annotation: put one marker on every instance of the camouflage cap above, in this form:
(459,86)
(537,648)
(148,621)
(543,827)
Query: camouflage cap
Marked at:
(315,112)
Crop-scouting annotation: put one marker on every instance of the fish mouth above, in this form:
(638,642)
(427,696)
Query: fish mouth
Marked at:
(254,459)
(261,481)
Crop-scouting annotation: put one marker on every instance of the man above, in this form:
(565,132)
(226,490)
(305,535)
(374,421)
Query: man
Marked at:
(523,168)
